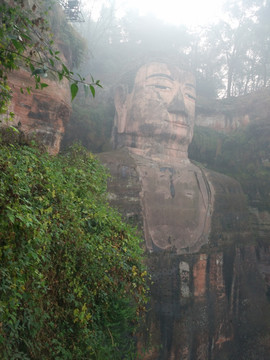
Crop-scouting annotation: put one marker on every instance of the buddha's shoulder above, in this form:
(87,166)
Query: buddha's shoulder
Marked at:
(223,184)
(230,210)
(121,166)
(116,157)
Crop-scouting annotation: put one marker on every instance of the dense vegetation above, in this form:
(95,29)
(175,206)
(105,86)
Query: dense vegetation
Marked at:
(72,280)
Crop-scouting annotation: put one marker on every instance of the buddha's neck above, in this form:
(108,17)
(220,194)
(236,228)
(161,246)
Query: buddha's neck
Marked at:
(168,155)
(150,147)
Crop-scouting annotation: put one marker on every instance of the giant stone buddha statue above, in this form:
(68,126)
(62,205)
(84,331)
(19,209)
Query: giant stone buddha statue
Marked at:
(185,213)
(154,123)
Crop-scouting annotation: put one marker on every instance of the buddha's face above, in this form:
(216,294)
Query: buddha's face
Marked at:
(161,107)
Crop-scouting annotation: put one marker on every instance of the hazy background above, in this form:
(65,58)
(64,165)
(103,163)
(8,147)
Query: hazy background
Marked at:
(226,44)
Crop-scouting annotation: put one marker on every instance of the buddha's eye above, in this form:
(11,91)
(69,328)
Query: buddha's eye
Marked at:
(162,87)
(190,96)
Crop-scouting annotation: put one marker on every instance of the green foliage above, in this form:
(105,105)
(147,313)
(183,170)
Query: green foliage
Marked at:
(71,44)
(72,279)
(90,123)
(25,40)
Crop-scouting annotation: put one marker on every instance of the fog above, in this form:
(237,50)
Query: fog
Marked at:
(191,13)
(229,54)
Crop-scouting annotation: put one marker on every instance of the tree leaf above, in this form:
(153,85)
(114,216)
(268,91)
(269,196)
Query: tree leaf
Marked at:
(74,90)
(93,91)
(32,68)
(98,84)
(17,45)
(23,35)
(60,75)
(38,71)
(43,85)
(65,69)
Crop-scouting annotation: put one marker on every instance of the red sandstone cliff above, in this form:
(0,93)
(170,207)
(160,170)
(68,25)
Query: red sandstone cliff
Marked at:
(227,115)
(44,113)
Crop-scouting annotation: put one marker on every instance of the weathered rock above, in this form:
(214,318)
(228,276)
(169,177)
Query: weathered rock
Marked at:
(42,112)
(227,115)
(157,117)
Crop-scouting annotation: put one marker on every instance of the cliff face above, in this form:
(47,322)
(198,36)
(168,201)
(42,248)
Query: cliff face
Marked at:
(239,148)
(44,113)
(211,306)
(230,114)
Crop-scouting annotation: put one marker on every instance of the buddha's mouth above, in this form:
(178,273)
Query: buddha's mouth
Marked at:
(179,124)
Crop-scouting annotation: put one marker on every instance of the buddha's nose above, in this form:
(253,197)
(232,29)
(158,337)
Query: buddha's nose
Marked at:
(177,105)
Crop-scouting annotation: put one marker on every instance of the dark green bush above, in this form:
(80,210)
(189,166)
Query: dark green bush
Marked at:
(72,280)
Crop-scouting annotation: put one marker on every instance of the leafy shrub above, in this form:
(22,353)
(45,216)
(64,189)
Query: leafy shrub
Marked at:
(72,280)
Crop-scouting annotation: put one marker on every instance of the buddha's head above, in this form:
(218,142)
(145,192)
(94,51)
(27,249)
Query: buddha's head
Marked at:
(157,116)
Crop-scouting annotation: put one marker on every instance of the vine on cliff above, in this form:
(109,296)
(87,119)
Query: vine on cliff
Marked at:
(72,279)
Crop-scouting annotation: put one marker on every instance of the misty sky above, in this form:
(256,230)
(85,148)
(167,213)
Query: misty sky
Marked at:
(191,13)
(188,12)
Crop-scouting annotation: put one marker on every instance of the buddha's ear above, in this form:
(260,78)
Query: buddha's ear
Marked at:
(120,101)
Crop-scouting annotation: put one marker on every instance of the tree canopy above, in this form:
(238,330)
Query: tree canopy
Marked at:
(230,57)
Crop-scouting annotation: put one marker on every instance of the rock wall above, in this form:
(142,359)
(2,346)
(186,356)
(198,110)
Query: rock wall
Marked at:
(245,156)
(230,114)
(218,308)
(43,113)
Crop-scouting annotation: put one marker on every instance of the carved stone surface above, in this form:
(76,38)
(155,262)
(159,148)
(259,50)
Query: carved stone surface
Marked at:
(228,115)
(157,117)
(176,211)
(42,112)
(201,253)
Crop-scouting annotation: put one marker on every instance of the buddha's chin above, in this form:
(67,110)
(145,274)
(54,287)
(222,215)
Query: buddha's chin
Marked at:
(172,149)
